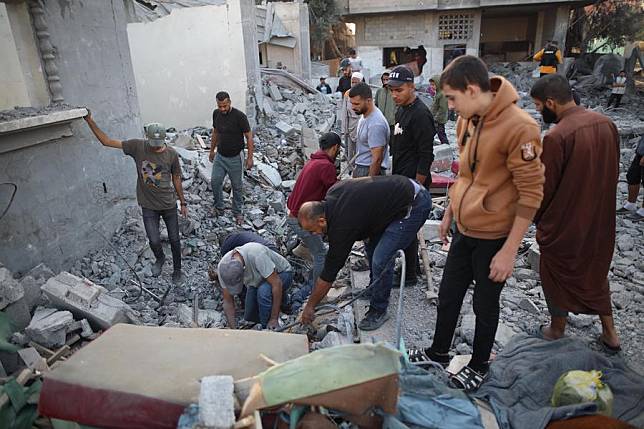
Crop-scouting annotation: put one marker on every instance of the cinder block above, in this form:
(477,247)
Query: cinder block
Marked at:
(431,230)
(216,402)
(85,300)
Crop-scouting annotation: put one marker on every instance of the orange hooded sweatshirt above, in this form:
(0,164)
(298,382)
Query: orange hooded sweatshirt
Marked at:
(501,175)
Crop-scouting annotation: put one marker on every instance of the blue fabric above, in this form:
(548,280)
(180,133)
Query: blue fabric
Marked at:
(397,236)
(259,300)
(427,402)
(233,167)
(521,379)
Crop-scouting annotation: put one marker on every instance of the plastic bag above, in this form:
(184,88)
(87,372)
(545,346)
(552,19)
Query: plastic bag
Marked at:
(577,387)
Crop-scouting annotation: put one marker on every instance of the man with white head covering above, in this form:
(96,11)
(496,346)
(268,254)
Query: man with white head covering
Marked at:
(349,118)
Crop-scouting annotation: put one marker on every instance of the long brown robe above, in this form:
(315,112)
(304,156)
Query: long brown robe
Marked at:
(576,221)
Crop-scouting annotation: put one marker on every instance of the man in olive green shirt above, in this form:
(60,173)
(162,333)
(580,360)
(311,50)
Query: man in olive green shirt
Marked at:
(385,102)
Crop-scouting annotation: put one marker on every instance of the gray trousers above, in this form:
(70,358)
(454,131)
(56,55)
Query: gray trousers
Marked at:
(233,167)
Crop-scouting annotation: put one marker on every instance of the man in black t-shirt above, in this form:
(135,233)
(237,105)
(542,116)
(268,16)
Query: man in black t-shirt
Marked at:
(229,128)
(412,145)
(158,186)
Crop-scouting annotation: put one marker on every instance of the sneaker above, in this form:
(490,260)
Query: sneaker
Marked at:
(373,320)
(635,216)
(623,211)
(178,278)
(157,267)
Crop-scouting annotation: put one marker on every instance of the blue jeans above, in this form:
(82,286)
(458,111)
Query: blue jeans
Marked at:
(318,250)
(382,249)
(259,300)
(233,167)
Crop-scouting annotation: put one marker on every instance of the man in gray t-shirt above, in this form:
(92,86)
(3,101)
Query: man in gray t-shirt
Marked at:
(372,135)
(266,276)
(158,186)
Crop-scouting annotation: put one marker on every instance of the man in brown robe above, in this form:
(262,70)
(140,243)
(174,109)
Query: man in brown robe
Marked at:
(576,221)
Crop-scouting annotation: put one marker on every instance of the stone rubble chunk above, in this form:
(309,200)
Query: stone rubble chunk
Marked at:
(274,91)
(86,300)
(534,256)
(40,272)
(10,290)
(49,326)
(529,306)
(206,318)
(216,402)
(270,174)
(431,230)
(285,128)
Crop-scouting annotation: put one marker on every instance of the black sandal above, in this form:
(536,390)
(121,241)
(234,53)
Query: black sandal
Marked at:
(467,379)
(421,359)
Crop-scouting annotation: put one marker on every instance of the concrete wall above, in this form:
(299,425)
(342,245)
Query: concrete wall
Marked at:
(295,17)
(183,59)
(21,79)
(61,184)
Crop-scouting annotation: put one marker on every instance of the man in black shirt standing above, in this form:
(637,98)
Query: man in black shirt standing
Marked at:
(386,212)
(344,84)
(229,128)
(412,145)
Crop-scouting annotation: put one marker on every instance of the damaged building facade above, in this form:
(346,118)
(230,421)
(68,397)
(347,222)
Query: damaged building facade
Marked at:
(57,184)
(211,46)
(429,34)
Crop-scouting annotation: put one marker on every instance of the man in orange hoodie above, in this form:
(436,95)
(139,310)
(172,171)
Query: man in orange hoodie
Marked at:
(496,195)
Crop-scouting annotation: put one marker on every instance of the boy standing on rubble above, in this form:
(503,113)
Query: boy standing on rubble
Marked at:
(229,129)
(158,186)
(493,201)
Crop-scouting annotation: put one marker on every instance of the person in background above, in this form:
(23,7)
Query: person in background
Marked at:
(549,57)
(439,110)
(356,61)
(324,87)
(385,102)
(344,84)
(349,119)
(619,88)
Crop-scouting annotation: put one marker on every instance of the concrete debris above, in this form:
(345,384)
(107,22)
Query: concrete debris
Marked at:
(285,128)
(206,318)
(86,300)
(49,326)
(534,256)
(269,174)
(216,402)
(10,290)
(431,230)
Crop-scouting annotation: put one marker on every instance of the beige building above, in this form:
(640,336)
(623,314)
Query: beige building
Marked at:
(430,33)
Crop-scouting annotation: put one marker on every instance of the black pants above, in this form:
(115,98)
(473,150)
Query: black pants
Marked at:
(411,261)
(469,259)
(171,219)
(442,136)
(617,98)
(635,173)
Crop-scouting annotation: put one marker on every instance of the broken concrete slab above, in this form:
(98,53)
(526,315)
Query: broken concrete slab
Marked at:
(285,128)
(529,306)
(49,326)
(205,170)
(32,291)
(310,141)
(86,300)
(10,290)
(216,402)
(274,92)
(270,174)
(40,272)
